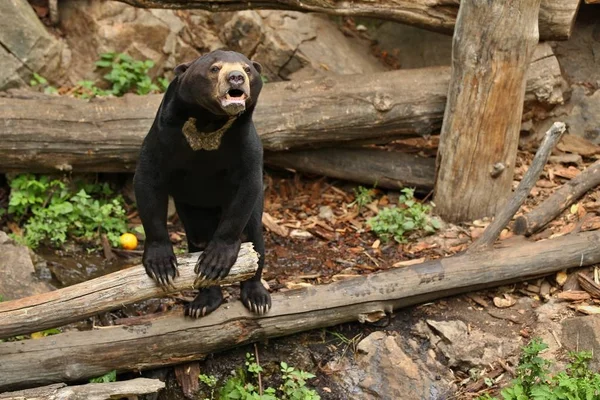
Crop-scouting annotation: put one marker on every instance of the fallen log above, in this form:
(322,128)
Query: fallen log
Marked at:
(556,16)
(373,167)
(493,43)
(41,133)
(558,201)
(90,391)
(173,339)
(61,307)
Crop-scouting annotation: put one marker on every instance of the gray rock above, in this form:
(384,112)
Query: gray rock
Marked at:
(583,333)
(414,47)
(286,44)
(164,36)
(325,212)
(27,47)
(467,348)
(384,370)
(580,55)
(18,279)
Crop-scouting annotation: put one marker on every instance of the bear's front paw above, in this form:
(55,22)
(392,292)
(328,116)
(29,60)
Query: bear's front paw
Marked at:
(218,258)
(255,297)
(160,263)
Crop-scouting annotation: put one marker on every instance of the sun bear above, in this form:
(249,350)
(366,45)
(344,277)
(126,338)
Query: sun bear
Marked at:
(203,150)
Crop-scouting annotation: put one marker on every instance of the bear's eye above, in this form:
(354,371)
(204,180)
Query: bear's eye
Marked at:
(247,69)
(215,68)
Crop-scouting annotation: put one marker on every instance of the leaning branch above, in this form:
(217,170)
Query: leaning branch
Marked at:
(492,232)
(61,307)
(173,339)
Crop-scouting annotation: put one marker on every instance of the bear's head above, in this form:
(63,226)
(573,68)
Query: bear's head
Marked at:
(222,82)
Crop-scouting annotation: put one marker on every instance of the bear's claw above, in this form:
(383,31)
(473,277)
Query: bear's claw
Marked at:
(216,261)
(255,297)
(207,301)
(160,264)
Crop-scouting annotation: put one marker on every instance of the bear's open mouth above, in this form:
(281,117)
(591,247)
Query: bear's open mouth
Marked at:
(236,93)
(234,97)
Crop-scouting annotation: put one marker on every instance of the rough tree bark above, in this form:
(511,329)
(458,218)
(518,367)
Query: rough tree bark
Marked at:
(493,42)
(41,133)
(71,304)
(556,16)
(173,339)
(388,169)
(91,391)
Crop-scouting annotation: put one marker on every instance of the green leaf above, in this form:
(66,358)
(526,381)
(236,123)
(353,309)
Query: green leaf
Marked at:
(108,377)
(103,63)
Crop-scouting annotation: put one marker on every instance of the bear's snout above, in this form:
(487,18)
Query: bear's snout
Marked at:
(236,78)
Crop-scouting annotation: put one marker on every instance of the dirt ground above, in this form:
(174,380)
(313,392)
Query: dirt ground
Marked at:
(316,234)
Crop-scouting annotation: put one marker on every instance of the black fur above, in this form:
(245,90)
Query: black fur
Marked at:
(218,194)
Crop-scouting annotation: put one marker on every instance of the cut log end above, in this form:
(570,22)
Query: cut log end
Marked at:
(520,226)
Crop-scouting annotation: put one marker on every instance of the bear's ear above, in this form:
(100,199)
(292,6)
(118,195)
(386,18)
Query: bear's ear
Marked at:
(180,69)
(257,66)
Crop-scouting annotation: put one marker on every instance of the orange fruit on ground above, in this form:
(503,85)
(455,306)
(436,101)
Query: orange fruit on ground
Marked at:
(128,241)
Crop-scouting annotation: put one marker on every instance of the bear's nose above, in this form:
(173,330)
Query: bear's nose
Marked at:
(236,78)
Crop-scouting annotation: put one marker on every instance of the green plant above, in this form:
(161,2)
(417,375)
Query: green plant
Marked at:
(242,385)
(88,89)
(108,377)
(163,83)
(44,333)
(408,216)
(126,74)
(294,384)
(533,381)
(362,196)
(211,382)
(41,82)
(56,211)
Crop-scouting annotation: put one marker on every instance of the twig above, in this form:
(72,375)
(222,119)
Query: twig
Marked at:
(53,10)
(108,253)
(260,388)
(493,230)
(556,338)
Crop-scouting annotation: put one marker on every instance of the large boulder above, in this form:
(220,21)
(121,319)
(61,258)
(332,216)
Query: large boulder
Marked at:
(386,366)
(164,36)
(27,47)
(294,45)
(583,334)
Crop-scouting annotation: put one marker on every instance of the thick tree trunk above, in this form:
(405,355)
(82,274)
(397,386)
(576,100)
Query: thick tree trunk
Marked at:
(556,16)
(41,133)
(387,169)
(493,42)
(61,307)
(173,339)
